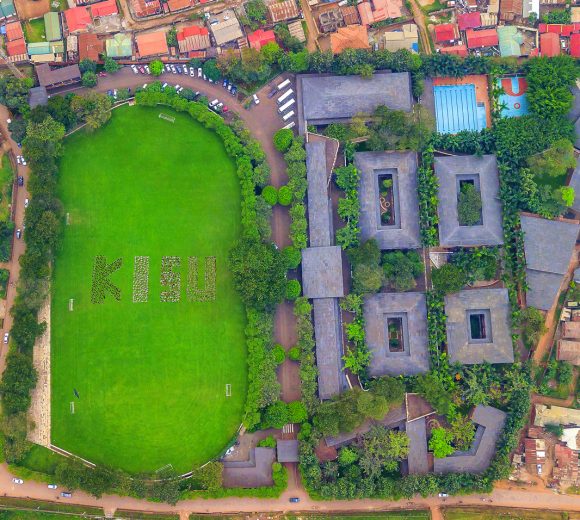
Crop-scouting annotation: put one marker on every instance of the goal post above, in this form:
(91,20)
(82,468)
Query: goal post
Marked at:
(171,119)
(228,390)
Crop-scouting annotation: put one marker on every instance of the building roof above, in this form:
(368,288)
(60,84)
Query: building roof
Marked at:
(405,38)
(14,31)
(152,43)
(558,28)
(287,451)
(570,438)
(45,48)
(483,172)
(379,10)
(297,30)
(411,309)
(106,8)
(548,245)
(535,450)
(445,32)
(546,414)
(119,46)
(489,422)
(404,233)
(469,20)
(417,461)
(52,27)
(146,7)
(482,38)
(77,19)
(350,37)
(59,76)
(350,14)
(227,27)
(568,350)
(7,9)
(16,47)
(37,96)
(570,329)
(177,5)
(575,45)
(566,467)
(326,98)
(510,40)
(280,11)
(319,210)
(322,272)
(549,44)
(90,46)
(259,38)
(497,346)
(255,472)
(328,337)
(193,38)
(458,50)
(511,10)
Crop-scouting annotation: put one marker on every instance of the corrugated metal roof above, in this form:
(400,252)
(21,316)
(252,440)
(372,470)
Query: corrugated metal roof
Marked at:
(52,26)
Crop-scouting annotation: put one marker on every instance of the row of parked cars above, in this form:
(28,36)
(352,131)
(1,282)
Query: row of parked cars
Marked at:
(64,494)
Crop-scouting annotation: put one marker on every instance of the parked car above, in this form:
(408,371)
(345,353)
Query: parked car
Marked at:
(147,69)
(214,103)
(272,92)
(66,494)
(23,160)
(225,109)
(234,90)
(109,92)
(102,74)
(225,83)
(294,500)
(52,486)
(164,85)
(115,93)
(18,160)
(192,72)
(179,69)
(443,495)
(199,72)
(20,180)
(179,89)
(256,99)
(141,69)
(6,336)
(185,69)
(173,69)
(17,480)
(18,233)
(204,77)
(167,67)
(25,203)
(134,68)
(144,85)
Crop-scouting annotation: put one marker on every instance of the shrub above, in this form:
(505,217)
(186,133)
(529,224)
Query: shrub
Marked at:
(293,289)
(367,278)
(294,354)
(89,79)
(156,67)
(270,195)
(401,269)
(111,65)
(283,139)
(268,442)
(285,196)
(297,412)
(276,415)
(292,257)
(279,354)
(440,442)
(469,205)
(448,278)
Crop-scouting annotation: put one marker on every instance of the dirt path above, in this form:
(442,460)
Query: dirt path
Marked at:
(312,37)
(419,18)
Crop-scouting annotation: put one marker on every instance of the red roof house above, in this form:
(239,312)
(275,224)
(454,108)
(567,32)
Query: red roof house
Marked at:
(152,44)
(260,38)
(446,32)
(14,31)
(575,47)
(458,50)
(77,19)
(484,38)
(562,29)
(16,47)
(193,38)
(106,8)
(469,21)
(549,44)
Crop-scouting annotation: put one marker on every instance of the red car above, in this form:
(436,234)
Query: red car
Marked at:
(103,74)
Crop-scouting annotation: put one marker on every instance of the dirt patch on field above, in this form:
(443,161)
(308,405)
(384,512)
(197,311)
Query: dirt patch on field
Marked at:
(29,9)
(425,3)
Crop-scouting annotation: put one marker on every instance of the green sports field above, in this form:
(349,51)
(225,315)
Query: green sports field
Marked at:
(150,377)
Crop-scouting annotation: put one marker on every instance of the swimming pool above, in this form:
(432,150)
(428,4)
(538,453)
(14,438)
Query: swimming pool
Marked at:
(514,97)
(456,109)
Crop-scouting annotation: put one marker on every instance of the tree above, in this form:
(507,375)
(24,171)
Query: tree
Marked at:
(14,93)
(111,66)
(390,388)
(283,139)
(463,432)
(271,53)
(469,205)
(297,412)
(382,449)
(259,273)
(367,279)
(279,354)
(194,62)
(434,390)
(171,37)
(293,289)
(87,65)
(89,79)
(276,415)
(347,456)
(440,442)
(256,11)
(448,278)
(401,269)
(294,354)
(156,67)
(211,70)
(555,429)
(92,108)
(292,257)
(17,128)
(14,429)
(532,322)
(270,195)
(568,195)
(553,162)
(372,405)
(209,476)
(285,195)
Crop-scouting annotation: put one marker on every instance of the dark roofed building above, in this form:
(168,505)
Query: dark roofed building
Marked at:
(575,179)
(37,96)
(482,172)
(405,313)
(322,272)
(489,422)
(279,11)
(549,246)
(417,461)
(478,326)
(287,451)
(255,472)
(319,209)
(58,77)
(402,232)
(325,98)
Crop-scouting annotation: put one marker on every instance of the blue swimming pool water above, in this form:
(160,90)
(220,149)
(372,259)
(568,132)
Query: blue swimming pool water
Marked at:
(514,98)
(456,109)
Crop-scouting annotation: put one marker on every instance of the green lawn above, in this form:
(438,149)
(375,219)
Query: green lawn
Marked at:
(385,515)
(150,376)
(495,513)
(34,30)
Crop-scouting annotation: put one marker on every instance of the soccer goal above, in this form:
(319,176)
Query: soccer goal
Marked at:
(71,304)
(72,407)
(171,119)
(68,219)
(163,469)
(228,390)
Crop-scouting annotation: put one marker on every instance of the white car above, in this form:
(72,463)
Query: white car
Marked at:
(135,69)
(17,480)
(173,69)
(26,203)
(18,160)
(52,486)
(167,67)
(185,69)
(192,72)
(6,336)
(23,160)
(199,72)
(204,77)
(177,87)
(214,102)
(147,69)
(144,85)
(164,85)
(443,495)
(256,99)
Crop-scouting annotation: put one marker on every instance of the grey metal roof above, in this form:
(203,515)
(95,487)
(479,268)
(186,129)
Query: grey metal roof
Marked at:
(327,333)
(497,348)
(490,422)
(405,233)
(287,451)
(575,183)
(319,208)
(417,461)
(37,96)
(574,113)
(451,234)
(322,272)
(542,289)
(326,98)
(411,307)
(255,472)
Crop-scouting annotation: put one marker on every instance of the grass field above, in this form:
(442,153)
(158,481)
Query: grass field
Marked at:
(34,30)
(497,513)
(150,376)
(385,515)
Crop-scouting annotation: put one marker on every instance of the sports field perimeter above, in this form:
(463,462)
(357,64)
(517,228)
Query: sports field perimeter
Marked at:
(148,379)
